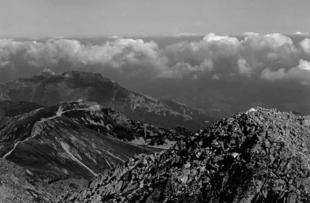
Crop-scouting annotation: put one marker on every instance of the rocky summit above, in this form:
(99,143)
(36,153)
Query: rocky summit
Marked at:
(50,89)
(259,156)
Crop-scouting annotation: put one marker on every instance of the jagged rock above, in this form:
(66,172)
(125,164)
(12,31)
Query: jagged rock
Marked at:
(260,156)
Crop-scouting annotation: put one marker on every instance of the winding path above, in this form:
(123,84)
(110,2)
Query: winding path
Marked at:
(36,129)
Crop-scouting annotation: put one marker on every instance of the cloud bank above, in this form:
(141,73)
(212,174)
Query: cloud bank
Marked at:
(271,57)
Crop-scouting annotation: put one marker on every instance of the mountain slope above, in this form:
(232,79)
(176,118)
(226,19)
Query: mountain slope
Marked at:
(78,139)
(50,89)
(258,156)
(59,148)
(54,140)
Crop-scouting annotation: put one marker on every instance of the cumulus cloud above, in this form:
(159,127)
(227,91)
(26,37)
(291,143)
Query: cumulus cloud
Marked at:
(250,33)
(220,39)
(216,77)
(304,65)
(232,57)
(243,67)
(8,48)
(305,45)
(115,53)
(270,57)
(301,72)
(300,33)
(268,74)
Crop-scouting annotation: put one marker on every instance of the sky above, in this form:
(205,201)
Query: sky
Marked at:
(37,18)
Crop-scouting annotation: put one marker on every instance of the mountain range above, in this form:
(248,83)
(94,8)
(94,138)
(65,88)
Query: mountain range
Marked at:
(48,89)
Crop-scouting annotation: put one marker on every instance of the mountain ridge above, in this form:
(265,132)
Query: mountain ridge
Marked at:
(71,118)
(50,89)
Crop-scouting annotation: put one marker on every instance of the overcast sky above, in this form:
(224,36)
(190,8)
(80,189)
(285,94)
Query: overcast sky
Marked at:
(163,17)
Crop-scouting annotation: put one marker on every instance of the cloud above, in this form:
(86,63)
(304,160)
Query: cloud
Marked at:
(250,33)
(8,48)
(53,51)
(120,54)
(243,67)
(268,74)
(304,65)
(216,77)
(220,39)
(300,33)
(232,57)
(270,57)
(301,72)
(305,45)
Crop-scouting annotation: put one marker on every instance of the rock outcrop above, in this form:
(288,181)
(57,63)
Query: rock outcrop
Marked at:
(259,156)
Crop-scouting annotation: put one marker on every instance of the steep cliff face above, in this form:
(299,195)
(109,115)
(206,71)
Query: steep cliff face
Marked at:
(50,89)
(258,156)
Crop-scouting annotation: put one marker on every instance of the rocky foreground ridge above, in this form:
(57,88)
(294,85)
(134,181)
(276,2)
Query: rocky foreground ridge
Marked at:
(258,156)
